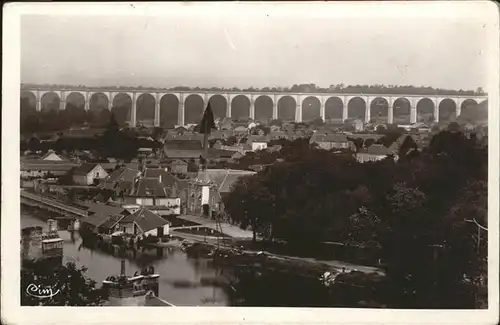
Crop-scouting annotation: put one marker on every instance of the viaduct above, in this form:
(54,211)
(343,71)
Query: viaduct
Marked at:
(343,100)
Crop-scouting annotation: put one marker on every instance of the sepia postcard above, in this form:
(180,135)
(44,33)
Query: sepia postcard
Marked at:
(250,163)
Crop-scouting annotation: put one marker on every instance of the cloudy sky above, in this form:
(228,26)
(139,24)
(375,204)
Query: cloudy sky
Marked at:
(259,46)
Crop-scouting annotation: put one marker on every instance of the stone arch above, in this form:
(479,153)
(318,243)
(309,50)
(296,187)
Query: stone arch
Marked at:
(28,103)
(286,108)
(145,109)
(356,108)
(193,109)
(401,110)
(75,108)
(263,108)
(379,110)
(447,110)
(311,108)
(425,110)
(240,108)
(218,103)
(50,101)
(467,106)
(98,102)
(169,111)
(122,108)
(334,108)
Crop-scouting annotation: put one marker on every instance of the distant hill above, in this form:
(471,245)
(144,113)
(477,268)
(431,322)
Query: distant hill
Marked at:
(475,114)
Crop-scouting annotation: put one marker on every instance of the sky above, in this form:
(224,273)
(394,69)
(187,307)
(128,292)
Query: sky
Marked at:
(259,48)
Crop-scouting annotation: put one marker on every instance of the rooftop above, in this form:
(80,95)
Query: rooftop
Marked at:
(375,149)
(335,137)
(84,169)
(224,178)
(145,219)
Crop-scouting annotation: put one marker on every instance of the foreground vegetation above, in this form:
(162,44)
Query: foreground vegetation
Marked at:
(419,215)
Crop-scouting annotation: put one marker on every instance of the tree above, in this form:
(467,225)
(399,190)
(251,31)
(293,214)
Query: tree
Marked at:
(369,142)
(454,127)
(276,122)
(75,289)
(318,122)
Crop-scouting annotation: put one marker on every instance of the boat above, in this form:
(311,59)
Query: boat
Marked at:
(52,243)
(139,284)
(140,289)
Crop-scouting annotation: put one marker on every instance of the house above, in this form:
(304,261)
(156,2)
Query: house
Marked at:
(257,142)
(175,189)
(209,188)
(156,189)
(274,128)
(88,174)
(240,130)
(357,124)
(34,168)
(330,141)
(422,127)
(179,129)
(277,135)
(275,148)
(374,152)
(121,179)
(145,152)
(396,146)
(142,223)
(178,166)
(182,149)
(226,124)
(100,215)
(51,156)
(108,166)
(220,134)
(186,136)
(237,155)
(219,155)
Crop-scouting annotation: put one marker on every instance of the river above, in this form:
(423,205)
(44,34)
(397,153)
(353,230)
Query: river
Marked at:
(180,276)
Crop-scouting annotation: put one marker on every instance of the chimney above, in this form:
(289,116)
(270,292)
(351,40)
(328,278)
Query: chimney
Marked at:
(122,267)
(52,225)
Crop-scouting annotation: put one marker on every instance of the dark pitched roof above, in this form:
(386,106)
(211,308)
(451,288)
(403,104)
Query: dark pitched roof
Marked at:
(365,136)
(134,166)
(84,169)
(145,219)
(95,219)
(183,145)
(178,162)
(105,209)
(328,138)
(376,149)
(153,172)
(31,164)
(183,154)
(123,174)
(258,138)
(220,153)
(224,178)
(149,187)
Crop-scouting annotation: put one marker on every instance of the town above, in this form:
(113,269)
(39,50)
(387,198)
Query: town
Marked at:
(306,156)
(235,191)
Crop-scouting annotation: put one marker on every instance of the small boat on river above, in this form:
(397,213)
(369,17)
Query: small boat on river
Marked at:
(122,285)
(140,289)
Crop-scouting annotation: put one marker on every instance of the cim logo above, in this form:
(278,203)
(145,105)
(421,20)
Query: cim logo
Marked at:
(40,292)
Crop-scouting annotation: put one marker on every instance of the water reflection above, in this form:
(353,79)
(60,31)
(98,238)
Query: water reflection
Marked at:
(172,264)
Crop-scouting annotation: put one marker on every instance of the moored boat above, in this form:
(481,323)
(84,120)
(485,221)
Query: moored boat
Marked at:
(122,285)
